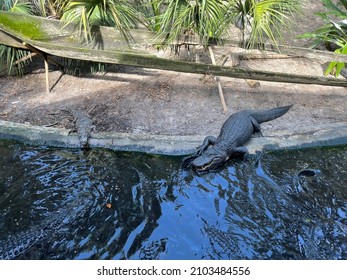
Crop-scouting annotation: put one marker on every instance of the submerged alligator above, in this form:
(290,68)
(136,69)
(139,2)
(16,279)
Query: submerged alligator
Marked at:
(235,132)
(19,243)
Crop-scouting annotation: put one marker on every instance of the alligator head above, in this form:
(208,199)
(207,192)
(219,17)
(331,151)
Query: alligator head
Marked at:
(209,160)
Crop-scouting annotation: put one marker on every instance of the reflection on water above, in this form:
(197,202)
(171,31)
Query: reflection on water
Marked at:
(99,204)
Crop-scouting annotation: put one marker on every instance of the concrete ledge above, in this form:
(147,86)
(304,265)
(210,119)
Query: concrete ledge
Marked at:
(317,136)
(332,134)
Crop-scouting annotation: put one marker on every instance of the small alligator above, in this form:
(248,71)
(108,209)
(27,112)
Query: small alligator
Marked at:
(83,126)
(235,132)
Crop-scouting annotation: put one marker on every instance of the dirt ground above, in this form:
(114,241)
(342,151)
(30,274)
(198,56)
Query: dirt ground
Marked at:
(145,101)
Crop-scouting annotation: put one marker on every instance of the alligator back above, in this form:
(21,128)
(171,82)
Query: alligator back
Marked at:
(239,127)
(236,130)
(270,114)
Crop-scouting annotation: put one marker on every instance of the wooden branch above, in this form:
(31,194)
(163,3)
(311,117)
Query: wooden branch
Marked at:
(46,73)
(323,56)
(249,56)
(242,54)
(219,84)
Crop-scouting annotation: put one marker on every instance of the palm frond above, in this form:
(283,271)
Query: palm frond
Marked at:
(12,58)
(333,33)
(334,8)
(81,67)
(263,19)
(49,8)
(87,13)
(16,6)
(271,18)
(182,17)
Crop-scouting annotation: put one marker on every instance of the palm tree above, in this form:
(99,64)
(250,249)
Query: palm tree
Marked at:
(118,13)
(211,19)
(86,13)
(178,17)
(261,20)
(16,6)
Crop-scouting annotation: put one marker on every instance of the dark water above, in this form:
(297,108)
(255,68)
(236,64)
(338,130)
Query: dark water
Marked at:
(99,204)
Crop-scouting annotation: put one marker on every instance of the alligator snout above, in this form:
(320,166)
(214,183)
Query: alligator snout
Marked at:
(208,161)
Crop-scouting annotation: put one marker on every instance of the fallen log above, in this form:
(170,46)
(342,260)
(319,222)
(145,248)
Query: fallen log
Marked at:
(48,37)
(152,61)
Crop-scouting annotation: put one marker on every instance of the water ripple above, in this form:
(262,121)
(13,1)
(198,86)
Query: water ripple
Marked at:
(99,204)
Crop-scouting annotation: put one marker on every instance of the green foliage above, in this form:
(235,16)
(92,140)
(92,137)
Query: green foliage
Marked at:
(86,13)
(13,59)
(263,19)
(336,67)
(184,17)
(16,6)
(333,33)
(211,19)
(50,8)
(81,67)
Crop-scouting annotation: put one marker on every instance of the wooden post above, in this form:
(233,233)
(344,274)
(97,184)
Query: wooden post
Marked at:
(219,84)
(45,58)
(47,73)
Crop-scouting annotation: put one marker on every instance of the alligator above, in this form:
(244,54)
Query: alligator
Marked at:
(235,132)
(83,126)
(17,244)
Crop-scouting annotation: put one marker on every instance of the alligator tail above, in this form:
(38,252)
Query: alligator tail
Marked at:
(270,114)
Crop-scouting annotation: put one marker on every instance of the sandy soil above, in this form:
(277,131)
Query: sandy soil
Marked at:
(136,100)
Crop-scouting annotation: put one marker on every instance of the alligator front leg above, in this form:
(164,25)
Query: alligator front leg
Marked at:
(240,151)
(209,140)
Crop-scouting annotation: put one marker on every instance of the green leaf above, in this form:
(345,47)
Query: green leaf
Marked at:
(16,6)
(339,67)
(330,68)
(336,67)
(118,13)
(334,9)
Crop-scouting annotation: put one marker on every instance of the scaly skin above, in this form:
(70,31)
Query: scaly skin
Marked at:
(17,244)
(235,132)
(83,126)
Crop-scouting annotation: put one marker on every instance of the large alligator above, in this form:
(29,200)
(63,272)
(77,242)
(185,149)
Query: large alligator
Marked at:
(235,132)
